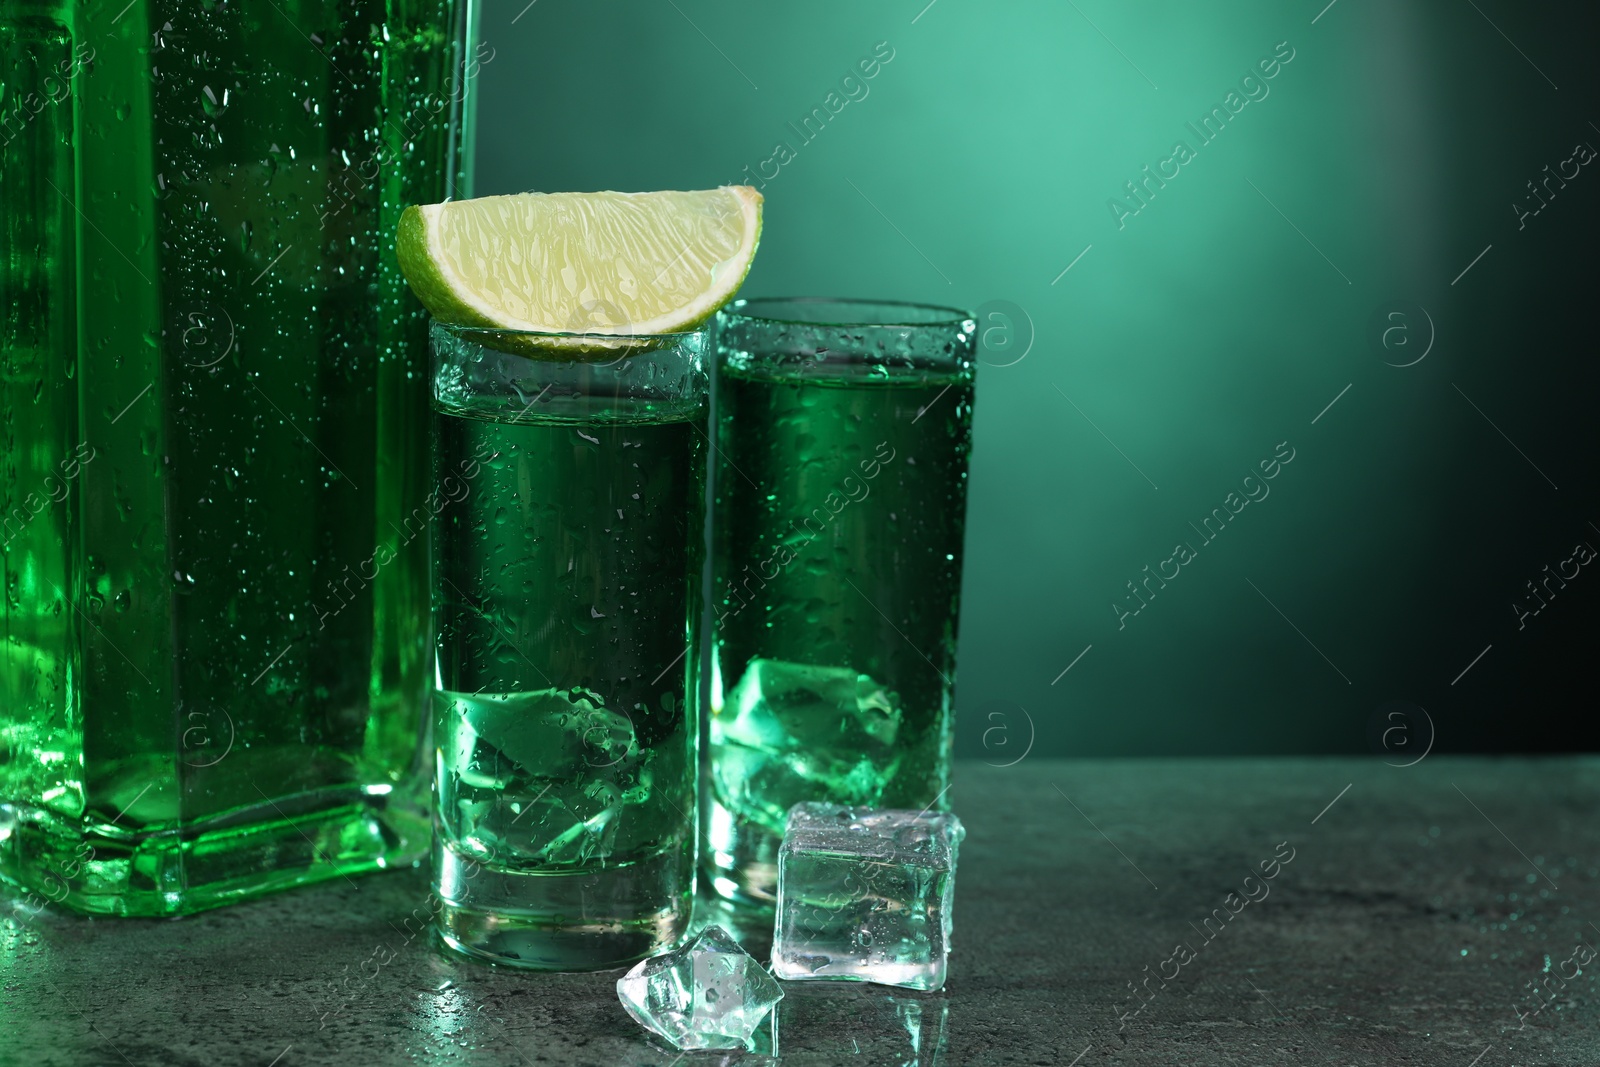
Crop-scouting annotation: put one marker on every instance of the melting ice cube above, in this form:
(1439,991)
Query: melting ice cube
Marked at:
(709,993)
(866,896)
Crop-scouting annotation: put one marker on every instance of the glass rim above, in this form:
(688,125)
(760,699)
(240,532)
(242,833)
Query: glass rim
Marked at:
(460,328)
(954,316)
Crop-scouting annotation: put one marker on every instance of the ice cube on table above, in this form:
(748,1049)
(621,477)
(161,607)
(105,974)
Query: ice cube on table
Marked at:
(708,993)
(865,895)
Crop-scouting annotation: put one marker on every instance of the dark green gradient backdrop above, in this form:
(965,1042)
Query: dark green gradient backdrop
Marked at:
(1184,347)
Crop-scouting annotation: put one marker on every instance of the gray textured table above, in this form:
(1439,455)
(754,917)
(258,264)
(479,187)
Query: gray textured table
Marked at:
(1406,929)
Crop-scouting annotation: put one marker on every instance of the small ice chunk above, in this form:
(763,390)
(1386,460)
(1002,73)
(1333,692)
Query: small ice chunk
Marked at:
(709,993)
(865,895)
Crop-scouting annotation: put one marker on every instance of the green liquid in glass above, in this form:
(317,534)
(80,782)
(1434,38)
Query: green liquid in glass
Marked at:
(567,572)
(841,500)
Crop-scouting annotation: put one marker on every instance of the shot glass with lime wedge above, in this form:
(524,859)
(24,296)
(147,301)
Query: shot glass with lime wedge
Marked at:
(570,398)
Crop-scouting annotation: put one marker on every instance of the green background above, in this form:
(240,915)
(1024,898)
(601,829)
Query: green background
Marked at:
(1181,348)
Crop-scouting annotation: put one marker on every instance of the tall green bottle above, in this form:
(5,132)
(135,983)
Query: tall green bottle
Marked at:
(214,465)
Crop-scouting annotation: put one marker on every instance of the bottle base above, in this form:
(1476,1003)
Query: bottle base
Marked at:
(104,870)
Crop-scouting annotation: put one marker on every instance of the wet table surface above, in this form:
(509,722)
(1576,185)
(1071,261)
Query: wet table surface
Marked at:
(1433,914)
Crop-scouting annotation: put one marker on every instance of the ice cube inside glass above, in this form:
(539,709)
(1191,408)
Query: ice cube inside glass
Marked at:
(865,895)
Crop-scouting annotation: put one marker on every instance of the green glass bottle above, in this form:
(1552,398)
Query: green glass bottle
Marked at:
(213,479)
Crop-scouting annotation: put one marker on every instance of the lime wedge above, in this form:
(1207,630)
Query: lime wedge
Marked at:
(613,263)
